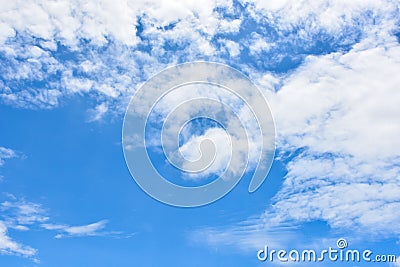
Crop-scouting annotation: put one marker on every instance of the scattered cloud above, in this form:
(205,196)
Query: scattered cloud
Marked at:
(21,215)
(6,153)
(18,215)
(98,112)
(93,229)
(9,246)
(257,44)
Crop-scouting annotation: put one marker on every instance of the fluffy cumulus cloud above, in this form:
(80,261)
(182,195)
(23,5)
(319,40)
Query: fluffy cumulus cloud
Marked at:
(340,113)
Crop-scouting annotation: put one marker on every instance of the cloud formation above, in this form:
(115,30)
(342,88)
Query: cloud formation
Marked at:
(341,110)
(329,70)
(76,47)
(21,215)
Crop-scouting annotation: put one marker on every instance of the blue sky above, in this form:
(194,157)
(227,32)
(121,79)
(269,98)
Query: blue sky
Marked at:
(329,71)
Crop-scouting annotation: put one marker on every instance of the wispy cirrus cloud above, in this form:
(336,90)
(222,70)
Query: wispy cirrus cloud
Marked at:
(22,215)
(93,229)
(347,172)
(248,235)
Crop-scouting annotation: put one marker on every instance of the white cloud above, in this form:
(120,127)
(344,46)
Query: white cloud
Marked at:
(232,47)
(98,112)
(47,55)
(9,246)
(249,235)
(54,47)
(258,44)
(329,15)
(343,110)
(235,146)
(21,215)
(69,21)
(93,229)
(192,152)
(6,153)
(229,26)
(338,115)
(344,98)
